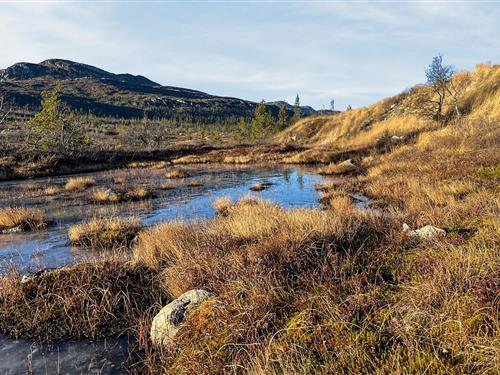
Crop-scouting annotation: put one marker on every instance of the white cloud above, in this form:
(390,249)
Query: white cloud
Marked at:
(355,52)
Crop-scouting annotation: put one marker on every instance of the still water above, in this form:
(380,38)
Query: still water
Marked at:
(30,251)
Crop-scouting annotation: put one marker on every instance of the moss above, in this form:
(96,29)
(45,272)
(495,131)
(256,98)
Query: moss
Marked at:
(489,173)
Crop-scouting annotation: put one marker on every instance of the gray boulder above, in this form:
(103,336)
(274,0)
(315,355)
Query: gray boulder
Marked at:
(425,233)
(169,320)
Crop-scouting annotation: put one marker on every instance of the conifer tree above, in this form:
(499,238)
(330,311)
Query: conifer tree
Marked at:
(297,112)
(260,122)
(54,128)
(282,118)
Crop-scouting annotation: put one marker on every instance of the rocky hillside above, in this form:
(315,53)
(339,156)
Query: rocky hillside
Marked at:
(401,115)
(92,90)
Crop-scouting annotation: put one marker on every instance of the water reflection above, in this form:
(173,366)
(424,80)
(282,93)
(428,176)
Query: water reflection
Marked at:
(289,187)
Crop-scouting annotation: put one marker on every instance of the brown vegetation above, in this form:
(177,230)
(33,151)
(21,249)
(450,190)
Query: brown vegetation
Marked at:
(109,232)
(23,218)
(79,183)
(177,173)
(332,291)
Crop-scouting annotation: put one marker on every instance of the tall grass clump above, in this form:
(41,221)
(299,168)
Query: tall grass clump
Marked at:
(98,300)
(24,218)
(79,183)
(178,173)
(105,232)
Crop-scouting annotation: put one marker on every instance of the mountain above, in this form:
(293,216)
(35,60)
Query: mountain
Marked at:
(88,89)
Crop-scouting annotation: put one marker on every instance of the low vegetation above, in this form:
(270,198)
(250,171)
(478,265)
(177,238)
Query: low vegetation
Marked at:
(315,291)
(79,183)
(107,196)
(107,232)
(22,218)
(107,298)
(178,173)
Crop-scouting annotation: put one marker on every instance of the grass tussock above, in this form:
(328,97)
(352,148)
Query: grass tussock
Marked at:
(79,183)
(51,190)
(23,218)
(108,298)
(347,166)
(178,173)
(108,196)
(192,159)
(148,164)
(109,232)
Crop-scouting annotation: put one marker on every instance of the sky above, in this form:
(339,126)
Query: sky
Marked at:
(355,52)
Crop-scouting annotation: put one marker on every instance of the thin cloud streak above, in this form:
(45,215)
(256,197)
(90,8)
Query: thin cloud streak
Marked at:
(356,53)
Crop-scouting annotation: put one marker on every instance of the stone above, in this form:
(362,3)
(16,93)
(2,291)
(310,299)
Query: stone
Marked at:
(346,166)
(169,320)
(425,233)
(396,138)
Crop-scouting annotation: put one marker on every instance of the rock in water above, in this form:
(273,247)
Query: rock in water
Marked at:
(424,233)
(169,320)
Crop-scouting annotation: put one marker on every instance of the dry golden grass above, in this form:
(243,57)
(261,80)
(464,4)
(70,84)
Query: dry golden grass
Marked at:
(79,183)
(104,195)
(343,167)
(31,186)
(192,159)
(312,156)
(138,194)
(238,159)
(51,190)
(222,205)
(23,217)
(178,173)
(96,300)
(397,116)
(148,164)
(109,232)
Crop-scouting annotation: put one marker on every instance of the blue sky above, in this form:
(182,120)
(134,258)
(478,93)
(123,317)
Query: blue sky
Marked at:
(354,52)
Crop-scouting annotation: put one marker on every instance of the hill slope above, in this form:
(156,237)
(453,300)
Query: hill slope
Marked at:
(92,90)
(397,116)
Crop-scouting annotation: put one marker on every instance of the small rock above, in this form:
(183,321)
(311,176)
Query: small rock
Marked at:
(169,320)
(396,138)
(426,232)
(34,275)
(109,193)
(346,166)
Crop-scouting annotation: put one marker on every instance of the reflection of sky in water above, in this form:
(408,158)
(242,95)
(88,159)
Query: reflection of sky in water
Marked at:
(49,248)
(69,357)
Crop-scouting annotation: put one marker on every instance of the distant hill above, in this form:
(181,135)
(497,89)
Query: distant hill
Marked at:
(89,89)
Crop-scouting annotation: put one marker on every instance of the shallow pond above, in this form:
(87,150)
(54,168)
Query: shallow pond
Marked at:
(289,187)
(29,251)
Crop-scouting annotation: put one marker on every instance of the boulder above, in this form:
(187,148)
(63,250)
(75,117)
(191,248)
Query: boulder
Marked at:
(425,233)
(169,320)
(346,166)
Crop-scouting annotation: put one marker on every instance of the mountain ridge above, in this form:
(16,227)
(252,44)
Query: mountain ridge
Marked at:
(88,89)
